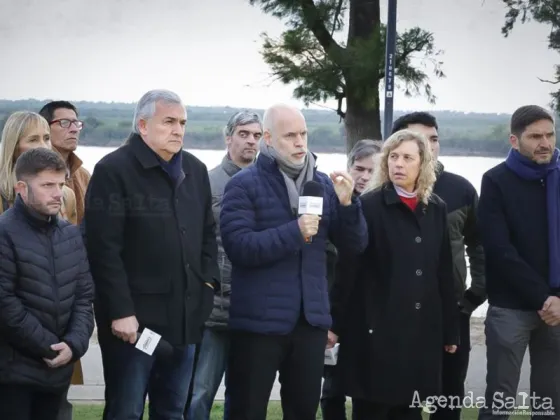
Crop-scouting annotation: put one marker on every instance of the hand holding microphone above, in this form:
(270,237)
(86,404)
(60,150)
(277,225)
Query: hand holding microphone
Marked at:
(308,225)
(310,209)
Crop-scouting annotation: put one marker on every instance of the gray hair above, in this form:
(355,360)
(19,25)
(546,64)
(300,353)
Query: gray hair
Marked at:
(241,118)
(363,149)
(146,106)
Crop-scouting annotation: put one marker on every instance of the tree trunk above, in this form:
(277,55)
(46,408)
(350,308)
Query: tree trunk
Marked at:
(364,19)
(362,119)
(361,122)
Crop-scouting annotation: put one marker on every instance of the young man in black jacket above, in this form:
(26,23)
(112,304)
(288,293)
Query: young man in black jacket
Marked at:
(46,292)
(461,199)
(519,216)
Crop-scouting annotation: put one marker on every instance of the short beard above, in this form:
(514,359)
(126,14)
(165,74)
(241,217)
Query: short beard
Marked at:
(40,209)
(531,155)
(247,161)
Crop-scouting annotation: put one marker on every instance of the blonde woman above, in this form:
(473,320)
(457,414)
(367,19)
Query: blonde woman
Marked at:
(400,314)
(26,130)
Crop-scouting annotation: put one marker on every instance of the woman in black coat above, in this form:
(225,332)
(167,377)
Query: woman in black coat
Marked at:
(394,308)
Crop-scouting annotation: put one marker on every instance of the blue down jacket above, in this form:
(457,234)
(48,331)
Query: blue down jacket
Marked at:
(275,274)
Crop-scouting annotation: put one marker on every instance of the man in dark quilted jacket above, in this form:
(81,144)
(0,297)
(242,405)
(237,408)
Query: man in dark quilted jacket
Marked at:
(46,292)
(279,311)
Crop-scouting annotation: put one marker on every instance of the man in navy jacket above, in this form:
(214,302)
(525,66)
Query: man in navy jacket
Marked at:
(279,313)
(519,217)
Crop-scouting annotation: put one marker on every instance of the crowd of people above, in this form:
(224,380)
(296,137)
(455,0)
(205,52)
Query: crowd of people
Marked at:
(193,275)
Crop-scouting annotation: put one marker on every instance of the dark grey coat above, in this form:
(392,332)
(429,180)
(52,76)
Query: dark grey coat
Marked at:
(219,177)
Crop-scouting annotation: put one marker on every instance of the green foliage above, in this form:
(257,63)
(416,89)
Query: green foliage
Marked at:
(109,124)
(416,40)
(307,54)
(298,57)
(542,11)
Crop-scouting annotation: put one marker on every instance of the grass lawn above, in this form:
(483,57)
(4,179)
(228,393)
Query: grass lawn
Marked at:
(94,412)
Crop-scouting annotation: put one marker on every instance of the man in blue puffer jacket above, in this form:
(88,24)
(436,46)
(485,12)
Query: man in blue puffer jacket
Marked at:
(279,310)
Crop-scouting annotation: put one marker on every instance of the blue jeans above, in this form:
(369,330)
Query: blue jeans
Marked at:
(210,368)
(132,373)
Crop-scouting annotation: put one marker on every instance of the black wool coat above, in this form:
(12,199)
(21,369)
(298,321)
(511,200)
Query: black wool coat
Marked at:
(152,242)
(393,306)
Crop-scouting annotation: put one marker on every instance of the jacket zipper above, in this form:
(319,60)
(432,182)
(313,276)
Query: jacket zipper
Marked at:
(300,271)
(222,285)
(54,284)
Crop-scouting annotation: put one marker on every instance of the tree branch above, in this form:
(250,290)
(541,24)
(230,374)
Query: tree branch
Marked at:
(323,106)
(336,15)
(339,110)
(311,57)
(552,82)
(267,82)
(408,48)
(318,28)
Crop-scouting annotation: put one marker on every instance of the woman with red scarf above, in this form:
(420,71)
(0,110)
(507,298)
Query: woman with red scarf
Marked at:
(395,309)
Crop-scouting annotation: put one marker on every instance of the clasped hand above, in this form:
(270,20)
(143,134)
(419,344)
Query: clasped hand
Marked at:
(64,355)
(550,312)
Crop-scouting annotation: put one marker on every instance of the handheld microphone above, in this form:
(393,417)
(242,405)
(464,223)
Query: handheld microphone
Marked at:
(311,201)
(151,343)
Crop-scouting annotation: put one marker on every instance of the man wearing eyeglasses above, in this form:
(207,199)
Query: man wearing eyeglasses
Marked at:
(65,134)
(65,128)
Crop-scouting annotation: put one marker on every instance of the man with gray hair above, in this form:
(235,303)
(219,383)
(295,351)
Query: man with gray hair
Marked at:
(242,134)
(361,161)
(151,243)
(279,314)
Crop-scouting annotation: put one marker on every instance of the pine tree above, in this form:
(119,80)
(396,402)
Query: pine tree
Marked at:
(542,11)
(350,72)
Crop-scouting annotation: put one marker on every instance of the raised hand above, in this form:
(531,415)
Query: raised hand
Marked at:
(343,186)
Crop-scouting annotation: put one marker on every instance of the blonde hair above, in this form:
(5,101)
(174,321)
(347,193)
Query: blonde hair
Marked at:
(13,131)
(426,175)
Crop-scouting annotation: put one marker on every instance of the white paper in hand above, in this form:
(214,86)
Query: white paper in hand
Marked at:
(331,355)
(310,205)
(148,341)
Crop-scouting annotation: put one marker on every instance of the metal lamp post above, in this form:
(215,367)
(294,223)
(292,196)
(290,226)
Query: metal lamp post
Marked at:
(391,38)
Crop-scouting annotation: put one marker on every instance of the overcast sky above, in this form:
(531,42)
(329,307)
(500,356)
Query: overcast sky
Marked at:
(208,52)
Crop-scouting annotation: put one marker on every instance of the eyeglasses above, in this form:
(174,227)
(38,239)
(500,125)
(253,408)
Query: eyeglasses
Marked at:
(65,123)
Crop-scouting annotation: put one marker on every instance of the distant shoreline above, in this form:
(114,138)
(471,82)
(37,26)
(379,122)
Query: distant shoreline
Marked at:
(339,150)
(464,134)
